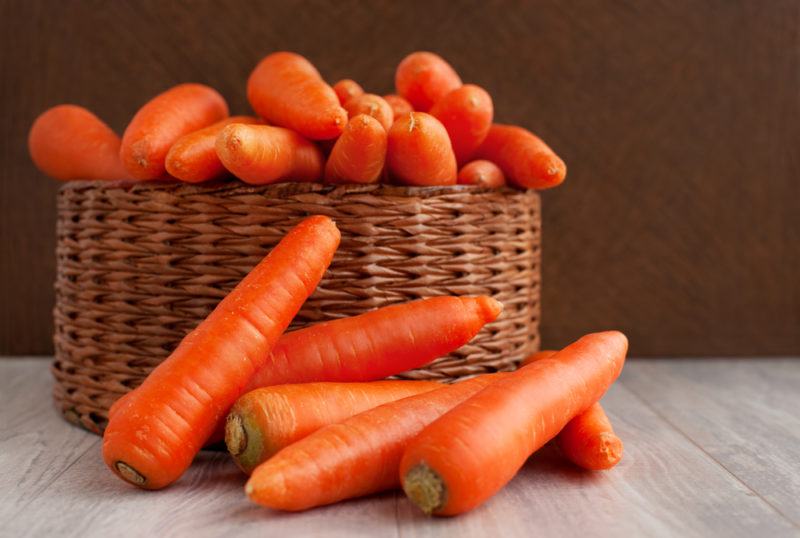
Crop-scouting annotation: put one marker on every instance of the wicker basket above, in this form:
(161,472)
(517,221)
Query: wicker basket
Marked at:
(140,265)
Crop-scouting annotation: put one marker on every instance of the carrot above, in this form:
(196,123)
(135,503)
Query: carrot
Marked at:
(286,90)
(192,158)
(525,160)
(419,151)
(266,420)
(358,456)
(371,105)
(346,89)
(155,432)
(180,110)
(359,154)
(466,113)
(399,105)
(69,142)
(481,173)
(423,78)
(261,154)
(471,452)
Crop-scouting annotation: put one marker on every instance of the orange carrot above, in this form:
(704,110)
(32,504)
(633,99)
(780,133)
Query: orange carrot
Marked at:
(466,456)
(261,154)
(266,420)
(157,430)
(358,456)
(180,110)
(466,113)
(192,158)
(419,151)
(481,173)
(525,160)
(539,355)
(399,105)
(346,89)
(423,78)
(69,142)
(286,90)
(359,154)
(371,105)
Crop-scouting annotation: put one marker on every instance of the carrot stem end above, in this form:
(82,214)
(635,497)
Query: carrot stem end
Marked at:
(425,488)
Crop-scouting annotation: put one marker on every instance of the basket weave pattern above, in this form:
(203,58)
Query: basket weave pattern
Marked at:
(140,265)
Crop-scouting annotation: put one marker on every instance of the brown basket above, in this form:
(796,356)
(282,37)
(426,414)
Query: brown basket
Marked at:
(139,265)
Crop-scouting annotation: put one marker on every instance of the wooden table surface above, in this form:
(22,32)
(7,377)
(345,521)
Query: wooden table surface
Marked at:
(712,447)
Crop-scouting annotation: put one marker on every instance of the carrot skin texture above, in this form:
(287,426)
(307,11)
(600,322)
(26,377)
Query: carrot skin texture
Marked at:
(481,173)
(467,114)
(359,154)
(157,429)
(69,142)
(287,90)
(419,151)
(524,158)
(182,109)
(472,451)
(589,441)
(423,78)
(371,105)
(346,89)
(193,157)
(399,105)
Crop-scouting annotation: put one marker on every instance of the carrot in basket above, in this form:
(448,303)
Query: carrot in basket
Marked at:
(472,451)
(180,110)
(524,158)
(346,89)
(481,173)
(286,90)
(260,154)
(358,456)
(192,158)
(467,114)
(156,431)
(419,151)
(399,105)
(69,142)
(266,420)
(423,78)
(371,105)
(359,154)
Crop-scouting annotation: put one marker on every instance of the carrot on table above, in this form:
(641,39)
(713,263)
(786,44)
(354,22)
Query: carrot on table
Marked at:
(157,429)
(399,105)
(260,154)
(371,105)
(346,89)
(481,173)
(168,116)
(466,113)
(422,78)
(472,451)
(359,154)
(524,158)
(193,158)
(69,142)
(265,420)
(286,90)
(419,151)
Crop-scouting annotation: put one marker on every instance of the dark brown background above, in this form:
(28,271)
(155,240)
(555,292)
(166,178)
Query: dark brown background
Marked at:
(680,122)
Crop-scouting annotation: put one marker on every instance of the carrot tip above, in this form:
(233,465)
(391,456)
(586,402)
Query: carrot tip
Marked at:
(424,487)
(490,308)
(130,474)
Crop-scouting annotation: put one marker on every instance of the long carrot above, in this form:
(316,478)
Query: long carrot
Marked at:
(261,154)
(286,90)
(423,78)
(156,431)
(466,113)
(399,105)
(168,116)
(358,456)
(192,158)
(69,142)
(481,173)
(371,105)
(419,151)
(266,420)
(359,154)
(346,89)
(524,158)
(466,456)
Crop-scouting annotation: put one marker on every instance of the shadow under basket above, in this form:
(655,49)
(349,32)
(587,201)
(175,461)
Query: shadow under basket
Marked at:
(140,265)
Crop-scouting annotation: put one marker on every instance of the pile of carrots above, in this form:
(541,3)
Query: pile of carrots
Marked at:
(309,417)
(434,131)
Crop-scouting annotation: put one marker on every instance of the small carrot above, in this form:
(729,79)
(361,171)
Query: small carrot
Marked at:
(359,154)
(466,113)
(69,142)
(192,158)
(472,451)
(355,457)
(481,173)
(157,429)
(371,105)
(180,110)
(423,78)
(524,158)
(419,151)
(346,89)
(399,105)
(286,90)
(260,154)
(266,420)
